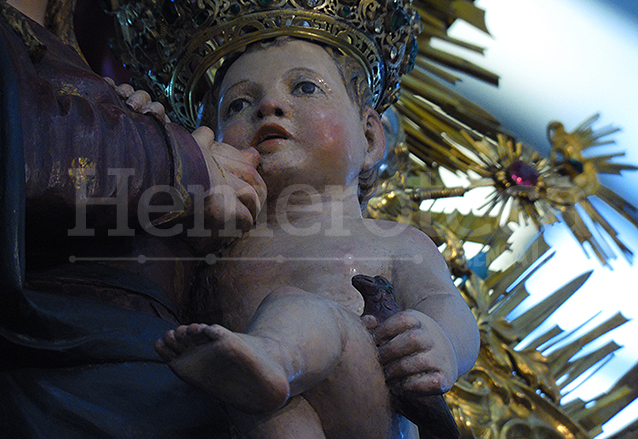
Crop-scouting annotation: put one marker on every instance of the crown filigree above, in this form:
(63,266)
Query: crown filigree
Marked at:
(173,47)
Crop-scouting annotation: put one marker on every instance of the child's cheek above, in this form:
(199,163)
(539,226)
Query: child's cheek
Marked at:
(235,134)
(329,128)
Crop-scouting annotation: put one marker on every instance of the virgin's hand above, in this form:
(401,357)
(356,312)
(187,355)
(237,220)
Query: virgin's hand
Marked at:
(139,100)
(237,190)
(415,353)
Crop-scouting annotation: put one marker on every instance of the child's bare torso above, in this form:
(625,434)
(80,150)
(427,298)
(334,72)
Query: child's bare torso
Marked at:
(322,263)
(354,401)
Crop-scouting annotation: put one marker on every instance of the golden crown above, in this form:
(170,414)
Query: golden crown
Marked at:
(173,47)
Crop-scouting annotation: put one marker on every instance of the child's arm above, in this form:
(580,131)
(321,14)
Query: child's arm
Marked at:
(426,347)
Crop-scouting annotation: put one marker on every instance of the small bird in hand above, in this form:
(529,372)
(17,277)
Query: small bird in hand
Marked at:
(430,413)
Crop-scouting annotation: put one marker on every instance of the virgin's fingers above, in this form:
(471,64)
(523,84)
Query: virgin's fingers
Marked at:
(369,321)
(260,189)
(249,195)
(249,198)
(228,212)
(138,100)
(124,90)
(154,108)
(204,136)
(233,156)
(244,170)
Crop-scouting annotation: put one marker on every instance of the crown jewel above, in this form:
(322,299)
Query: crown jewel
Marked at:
(173,47)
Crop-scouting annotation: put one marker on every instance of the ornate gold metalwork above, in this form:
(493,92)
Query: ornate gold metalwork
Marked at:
(567,158)
(511,393)
(540,189)
(183,42)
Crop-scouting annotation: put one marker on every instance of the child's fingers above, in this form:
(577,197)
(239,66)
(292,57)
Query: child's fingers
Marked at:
(395,325)
(370,322)
(403,345)
(424,384)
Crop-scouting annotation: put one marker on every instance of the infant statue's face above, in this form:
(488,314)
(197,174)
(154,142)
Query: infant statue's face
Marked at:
(289,102)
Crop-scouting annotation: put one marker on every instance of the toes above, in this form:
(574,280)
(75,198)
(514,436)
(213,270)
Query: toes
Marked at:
(216,332)
(180,340)
(171,342)
(165,353)
(191,335)
(196,333)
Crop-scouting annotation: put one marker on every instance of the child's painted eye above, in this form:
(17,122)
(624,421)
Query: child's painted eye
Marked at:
(306,88)
(236,106)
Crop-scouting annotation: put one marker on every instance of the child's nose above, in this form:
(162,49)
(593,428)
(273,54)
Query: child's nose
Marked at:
(272,106)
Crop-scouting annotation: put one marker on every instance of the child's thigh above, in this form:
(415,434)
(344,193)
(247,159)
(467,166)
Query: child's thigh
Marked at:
(296,420)
(355,401)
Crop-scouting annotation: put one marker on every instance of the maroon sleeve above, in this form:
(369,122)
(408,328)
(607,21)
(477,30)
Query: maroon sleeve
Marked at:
(78,135)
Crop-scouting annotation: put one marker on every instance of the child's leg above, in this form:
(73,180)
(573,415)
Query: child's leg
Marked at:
(293,342)
(296,420)
(353,401)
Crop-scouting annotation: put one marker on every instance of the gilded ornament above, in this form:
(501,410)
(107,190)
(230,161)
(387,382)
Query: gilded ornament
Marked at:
(177,51)
(510,393)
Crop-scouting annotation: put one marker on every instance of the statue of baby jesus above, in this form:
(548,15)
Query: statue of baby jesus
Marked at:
(292,354)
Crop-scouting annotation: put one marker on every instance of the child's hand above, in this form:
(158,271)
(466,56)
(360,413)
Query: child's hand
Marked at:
(415,353)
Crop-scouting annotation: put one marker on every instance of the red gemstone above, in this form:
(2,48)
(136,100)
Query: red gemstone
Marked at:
(522,174)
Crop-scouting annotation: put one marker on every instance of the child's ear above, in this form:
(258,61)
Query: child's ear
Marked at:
(375,136)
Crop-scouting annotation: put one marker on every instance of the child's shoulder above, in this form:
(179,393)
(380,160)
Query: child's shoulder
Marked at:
(399,234)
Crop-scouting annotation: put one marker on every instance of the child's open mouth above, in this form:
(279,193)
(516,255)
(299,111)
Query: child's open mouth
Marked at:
(269,133)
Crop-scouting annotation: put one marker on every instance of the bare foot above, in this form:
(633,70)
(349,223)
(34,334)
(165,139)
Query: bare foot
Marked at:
(239,369)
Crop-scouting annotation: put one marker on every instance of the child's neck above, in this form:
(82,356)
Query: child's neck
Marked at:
(328,209)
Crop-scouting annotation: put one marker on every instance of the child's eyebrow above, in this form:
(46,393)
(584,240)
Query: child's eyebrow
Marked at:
(308,72)
(302,70)
(235,85)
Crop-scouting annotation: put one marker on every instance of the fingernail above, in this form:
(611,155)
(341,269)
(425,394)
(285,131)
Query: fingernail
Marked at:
(124,90)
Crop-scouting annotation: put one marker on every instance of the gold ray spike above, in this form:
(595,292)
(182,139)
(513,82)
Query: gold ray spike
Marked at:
(470,13)
(511,391)
(559,359)
(592,414)
(507,389)
(619,204)
(532,318)
(598,411)
(578,368)
(458,63)
(539,189)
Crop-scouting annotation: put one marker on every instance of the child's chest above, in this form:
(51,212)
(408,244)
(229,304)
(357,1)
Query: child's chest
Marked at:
(324,265)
